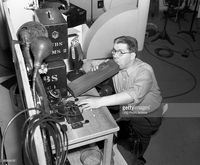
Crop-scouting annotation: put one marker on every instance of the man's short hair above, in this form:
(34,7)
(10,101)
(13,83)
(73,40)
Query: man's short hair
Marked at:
(130,41)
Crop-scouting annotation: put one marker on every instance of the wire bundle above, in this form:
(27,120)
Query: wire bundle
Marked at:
(53,135)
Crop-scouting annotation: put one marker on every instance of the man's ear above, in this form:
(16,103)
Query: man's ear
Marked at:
(133,55)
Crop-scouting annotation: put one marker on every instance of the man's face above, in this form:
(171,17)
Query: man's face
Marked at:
(122,56)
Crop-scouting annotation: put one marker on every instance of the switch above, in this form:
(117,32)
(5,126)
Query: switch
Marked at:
(100,4)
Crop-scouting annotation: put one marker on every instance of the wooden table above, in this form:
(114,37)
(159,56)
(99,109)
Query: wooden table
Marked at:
(101,124)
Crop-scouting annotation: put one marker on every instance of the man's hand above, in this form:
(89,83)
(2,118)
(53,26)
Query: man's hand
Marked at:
(110,100)
(89,103)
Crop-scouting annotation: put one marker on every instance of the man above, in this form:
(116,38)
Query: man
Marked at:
(136,90)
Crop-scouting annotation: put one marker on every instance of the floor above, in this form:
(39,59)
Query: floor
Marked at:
(178,140)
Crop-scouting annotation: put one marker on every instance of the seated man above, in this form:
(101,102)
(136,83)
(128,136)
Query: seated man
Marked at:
(136,88)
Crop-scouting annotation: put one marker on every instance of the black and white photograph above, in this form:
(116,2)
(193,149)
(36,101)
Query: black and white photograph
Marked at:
(99,82)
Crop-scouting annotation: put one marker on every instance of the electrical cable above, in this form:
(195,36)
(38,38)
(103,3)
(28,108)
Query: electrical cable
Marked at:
(52,127)
(181,68)
(8,125)
(167,52)
(46,140)
(191,47)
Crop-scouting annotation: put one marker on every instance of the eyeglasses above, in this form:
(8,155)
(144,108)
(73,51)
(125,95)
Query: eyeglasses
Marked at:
(118,52)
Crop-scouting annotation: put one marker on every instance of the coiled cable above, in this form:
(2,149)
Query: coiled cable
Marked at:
(53,135)
(8,125)
(179,67)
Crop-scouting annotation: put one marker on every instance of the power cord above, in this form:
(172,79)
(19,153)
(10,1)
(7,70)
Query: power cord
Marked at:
(53,135)
(179,67)
(164,52)
(167,52)
(8,125)
(189,50)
